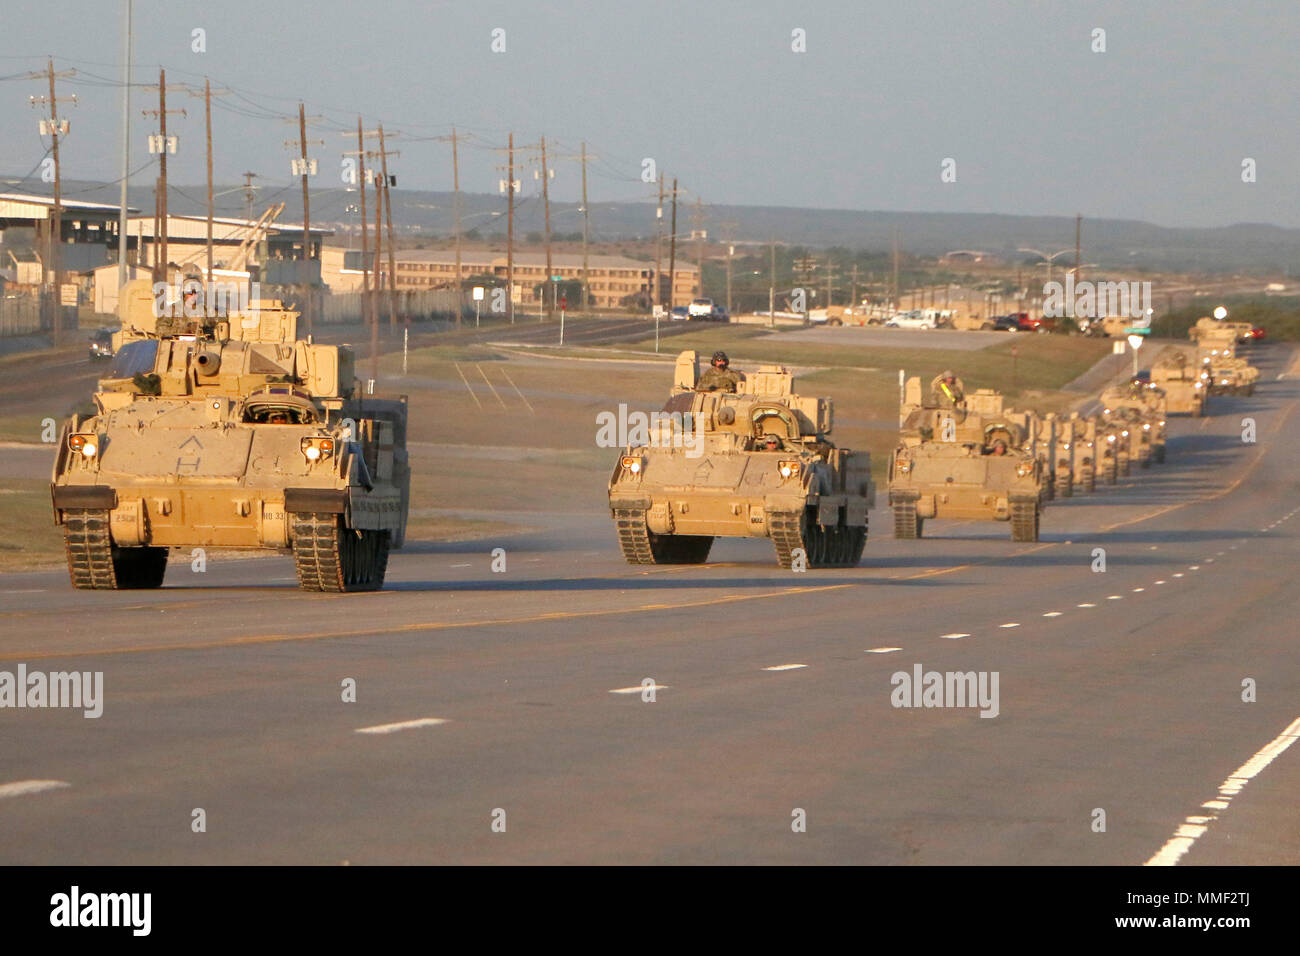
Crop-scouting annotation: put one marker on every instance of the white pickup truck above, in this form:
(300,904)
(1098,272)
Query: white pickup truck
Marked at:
(700,309)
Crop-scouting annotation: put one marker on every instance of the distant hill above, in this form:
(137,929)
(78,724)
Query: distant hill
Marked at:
(1112,243)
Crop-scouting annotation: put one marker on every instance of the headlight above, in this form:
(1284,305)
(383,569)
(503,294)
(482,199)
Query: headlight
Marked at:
(1124,433)
(904,466)
(1146,427)
(1198,385)
(1162,423)
(632,463)
(88,445)
(1110,438)
(1106,411)
(1066,446)
(316,448)
(788,469)
(1024,468)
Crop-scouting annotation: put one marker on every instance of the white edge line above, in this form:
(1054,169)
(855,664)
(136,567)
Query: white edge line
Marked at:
(881,650)
(638,688)
(1190,830)
(401,725)
(784,667)
(21,788)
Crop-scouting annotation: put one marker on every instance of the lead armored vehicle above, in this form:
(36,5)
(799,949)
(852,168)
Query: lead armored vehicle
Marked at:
(223,429)
(755,463)
(1183,383)
(963,459)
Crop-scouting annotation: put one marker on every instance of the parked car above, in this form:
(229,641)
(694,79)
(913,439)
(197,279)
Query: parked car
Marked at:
(1032,323)
(101,344)
(915,319)
(679,314)
(1006,323)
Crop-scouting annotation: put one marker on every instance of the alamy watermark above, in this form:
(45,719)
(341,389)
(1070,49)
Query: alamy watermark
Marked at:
(194,299)
(946,689)
(655,429)
(82,690)
(1096,300)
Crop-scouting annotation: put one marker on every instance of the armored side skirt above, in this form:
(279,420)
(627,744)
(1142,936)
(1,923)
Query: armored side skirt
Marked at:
(723,514)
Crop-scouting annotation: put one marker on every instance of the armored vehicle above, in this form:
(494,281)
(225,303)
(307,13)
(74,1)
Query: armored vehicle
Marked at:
(963,459)
(1183,382)
(1081,436)
(1064,456)
(1208,331)
(1113,447)
(224,429)
(1225,373)
(1141,407)
(753,463)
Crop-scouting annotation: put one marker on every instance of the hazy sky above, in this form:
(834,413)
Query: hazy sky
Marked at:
(1155,128)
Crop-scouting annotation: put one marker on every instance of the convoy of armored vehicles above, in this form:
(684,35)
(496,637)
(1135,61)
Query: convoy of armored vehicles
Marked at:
(225,429)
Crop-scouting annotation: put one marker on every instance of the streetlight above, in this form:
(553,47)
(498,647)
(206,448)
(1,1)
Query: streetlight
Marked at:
(1049,258)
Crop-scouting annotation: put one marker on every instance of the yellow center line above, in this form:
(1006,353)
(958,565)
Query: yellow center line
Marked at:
(255,639)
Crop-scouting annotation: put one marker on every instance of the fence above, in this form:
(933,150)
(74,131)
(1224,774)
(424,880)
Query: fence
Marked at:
(417,306)
(24,314)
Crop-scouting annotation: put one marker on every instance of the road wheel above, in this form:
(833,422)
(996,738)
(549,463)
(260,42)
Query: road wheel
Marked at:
(1064,486)
(906,523)
(1024,520)
(1160,454)
(329,556)
(1112,471)
(1125,466)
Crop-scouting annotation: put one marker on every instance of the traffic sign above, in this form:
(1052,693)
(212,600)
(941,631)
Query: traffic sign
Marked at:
(1138,330)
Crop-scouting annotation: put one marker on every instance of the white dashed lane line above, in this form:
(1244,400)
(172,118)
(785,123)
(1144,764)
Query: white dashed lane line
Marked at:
(1010,624)
(1052,614)
(638,688)
(1194,827)
(1115,597)
(881,650)
(785,667)
(955,636)
(1085,605)
(402,725)
(22,788)
(1138,590)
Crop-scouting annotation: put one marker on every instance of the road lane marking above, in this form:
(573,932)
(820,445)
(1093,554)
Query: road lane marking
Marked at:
(1085,605)
(1115,597)
(784,667)
(1010,624)
(1138,590)
(255,639)
(1194,827)
(1193,567)
(638,688)
(21,788)
(460,565)
(28,591)
(881,650)
(955,636)
(1178,574)
(401,725)
(1052,614)
(1160,582)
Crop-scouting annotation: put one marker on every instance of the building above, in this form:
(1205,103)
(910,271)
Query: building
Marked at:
(88,236)
(276,243)
(612,281)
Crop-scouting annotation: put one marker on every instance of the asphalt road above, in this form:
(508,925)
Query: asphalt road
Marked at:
(1118,690)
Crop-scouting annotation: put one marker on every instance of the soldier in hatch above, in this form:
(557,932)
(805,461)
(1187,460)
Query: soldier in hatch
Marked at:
(946,391)
(718,377)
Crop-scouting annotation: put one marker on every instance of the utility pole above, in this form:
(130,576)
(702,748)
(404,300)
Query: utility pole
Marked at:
(455,185)
(672,250)
(165,145)
(585,223)
(126,147)
(54,250)
(250,192)
(307,167)
(894,296)
(697,217)
(546,203)
(366,315)
(658,297)
(1078,232)
(510,231)
(830,281)
(771,289)
(207,126)
(388,216)
(379,253)
(853,296)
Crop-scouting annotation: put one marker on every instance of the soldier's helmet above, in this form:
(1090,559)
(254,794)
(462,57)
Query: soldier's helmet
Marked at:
(948,375)
(720,360)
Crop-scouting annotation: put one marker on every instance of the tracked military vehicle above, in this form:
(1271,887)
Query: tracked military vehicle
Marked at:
(224,429)
(1081,434)
(963,459)
(755,463)
(1183,382)
(1141,408)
